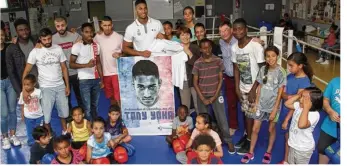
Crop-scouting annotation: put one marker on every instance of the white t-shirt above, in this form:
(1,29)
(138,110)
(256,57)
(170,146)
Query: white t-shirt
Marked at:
(66,42)
(32,110)
(302,139)
(142,35)
(178,58)
(48,62)
(109,45)
(84,54)
(247,60)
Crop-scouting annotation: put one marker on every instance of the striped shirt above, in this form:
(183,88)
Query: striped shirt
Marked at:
(208,73)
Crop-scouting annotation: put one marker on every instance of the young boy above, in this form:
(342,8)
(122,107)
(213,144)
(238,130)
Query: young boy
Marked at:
(64,153)
(204,145)
(248,57)
(328,43)
(116,127)
(305,118)
(32,112)
(43,144)
(208,77)
(182,124)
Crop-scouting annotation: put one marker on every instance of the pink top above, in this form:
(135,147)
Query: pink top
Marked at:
(109,45)
(212,133)
(331,40)
(76,158)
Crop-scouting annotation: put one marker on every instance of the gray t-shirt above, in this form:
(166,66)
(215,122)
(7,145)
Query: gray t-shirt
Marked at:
(26,48)
(276,78)
(182,127)
(66,43)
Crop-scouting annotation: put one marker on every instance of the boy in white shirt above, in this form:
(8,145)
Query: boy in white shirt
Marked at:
(305,118)
(31,112)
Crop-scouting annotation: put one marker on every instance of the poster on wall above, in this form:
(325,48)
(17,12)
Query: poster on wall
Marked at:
(147,98)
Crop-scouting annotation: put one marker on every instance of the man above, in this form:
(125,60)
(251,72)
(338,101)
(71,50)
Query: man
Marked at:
(208,78)
(200,33)
(142,32)
(65,40)
(146,82)
(226,41)
(85,58)
(50,61)
(248,57)
(110,43)
(17,54)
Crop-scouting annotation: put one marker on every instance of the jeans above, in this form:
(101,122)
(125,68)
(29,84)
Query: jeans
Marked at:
(8,107)
(90,92)
(325,55)
(73,80)
(30,125)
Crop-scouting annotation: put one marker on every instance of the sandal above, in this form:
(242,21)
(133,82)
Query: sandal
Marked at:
(267,158)
(247,157)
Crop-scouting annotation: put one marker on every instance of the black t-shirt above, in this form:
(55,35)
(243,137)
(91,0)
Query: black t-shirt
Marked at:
(56,158)
(37,152)
(4,73)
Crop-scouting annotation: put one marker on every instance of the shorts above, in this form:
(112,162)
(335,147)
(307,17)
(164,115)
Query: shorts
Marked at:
(246,106)
(77,144)
(324,141)
(299,157)
(111,87)
(264,116)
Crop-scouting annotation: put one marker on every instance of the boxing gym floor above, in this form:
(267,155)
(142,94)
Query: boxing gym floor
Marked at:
(155,150)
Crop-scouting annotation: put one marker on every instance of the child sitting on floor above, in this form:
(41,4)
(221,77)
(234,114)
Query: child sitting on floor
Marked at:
(79,128)
(182,124)
(64,153)
(116,127)
(204,145)
(43,144)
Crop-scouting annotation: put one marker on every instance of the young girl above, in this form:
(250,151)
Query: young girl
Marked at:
(272,79)
(79,128)
(299,78)
(99,143)
(203,126)
(116,127)
(204,145)
(64,153)
(305,118)
(31,112)
(188,14)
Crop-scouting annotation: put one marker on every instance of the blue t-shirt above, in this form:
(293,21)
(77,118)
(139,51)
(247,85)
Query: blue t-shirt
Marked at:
(294,84)
(99,150)
(332,92)
(117,129)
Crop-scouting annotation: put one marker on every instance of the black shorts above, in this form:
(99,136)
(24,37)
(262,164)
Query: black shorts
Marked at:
(324,141)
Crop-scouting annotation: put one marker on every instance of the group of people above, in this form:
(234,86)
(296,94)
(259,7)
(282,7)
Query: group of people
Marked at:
(41,73)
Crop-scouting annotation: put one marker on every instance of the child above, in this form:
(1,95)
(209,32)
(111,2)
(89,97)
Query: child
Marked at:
(203,126)
(272,79)
(116,127)
(64,153)
(79,128)
(43,144)
(207,80)
(182,124)
(328,134)
(248,58)
(169,34)
(32,112)
(299,78)
(328,43)
(305,118)
(204,145)
(99,143)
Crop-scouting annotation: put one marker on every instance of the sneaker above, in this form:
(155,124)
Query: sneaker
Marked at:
(326,62)
(283,162)
(245,148)
(241,142)
(320,60)
(15,141)
(6,144)
(231,149)
(247,157)
(267,158)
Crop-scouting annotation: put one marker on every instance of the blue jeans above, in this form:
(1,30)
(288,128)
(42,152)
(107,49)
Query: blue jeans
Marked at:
(8,107)
(30,125)
(90,92)
(325,55)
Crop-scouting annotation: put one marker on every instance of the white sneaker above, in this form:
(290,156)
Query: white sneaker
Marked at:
(15,141)
(320,60)
(6,144)
(326,62)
